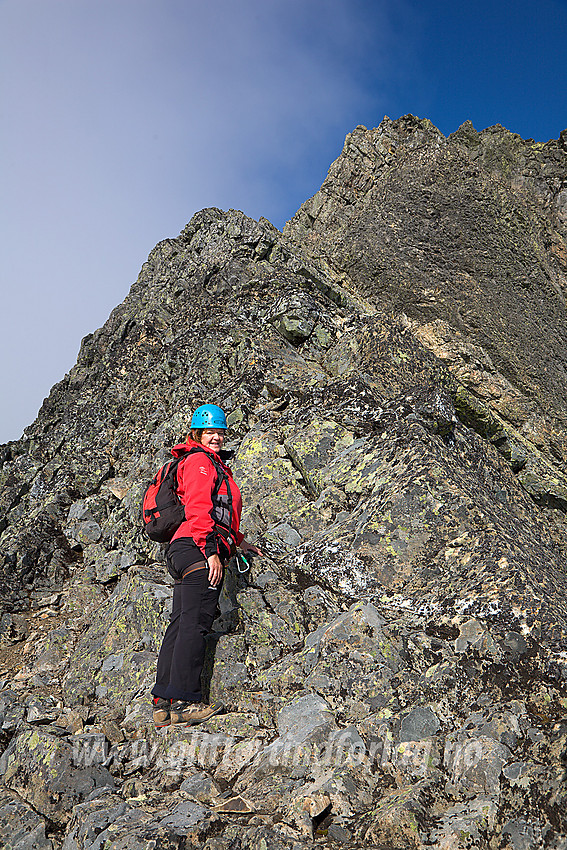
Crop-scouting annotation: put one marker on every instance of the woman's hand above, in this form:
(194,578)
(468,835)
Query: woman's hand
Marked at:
(246,547)
(215,570)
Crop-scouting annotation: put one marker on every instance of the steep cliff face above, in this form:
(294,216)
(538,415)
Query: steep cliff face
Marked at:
(395,666)
(466,236)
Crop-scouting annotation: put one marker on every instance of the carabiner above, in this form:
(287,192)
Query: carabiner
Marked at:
(240,557)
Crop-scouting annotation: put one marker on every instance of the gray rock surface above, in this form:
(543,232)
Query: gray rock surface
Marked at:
(21,828)
(395,667)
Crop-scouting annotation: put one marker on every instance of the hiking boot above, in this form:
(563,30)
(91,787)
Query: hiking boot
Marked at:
(193,712)
(161,709)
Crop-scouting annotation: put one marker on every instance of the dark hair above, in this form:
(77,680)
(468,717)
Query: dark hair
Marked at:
(195,434)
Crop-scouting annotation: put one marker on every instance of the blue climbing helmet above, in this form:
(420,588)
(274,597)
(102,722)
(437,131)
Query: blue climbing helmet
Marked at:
(208,416)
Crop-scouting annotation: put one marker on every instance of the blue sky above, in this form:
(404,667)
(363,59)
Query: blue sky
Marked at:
(122,118)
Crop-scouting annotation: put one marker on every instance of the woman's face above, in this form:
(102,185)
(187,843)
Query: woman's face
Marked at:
(213,438)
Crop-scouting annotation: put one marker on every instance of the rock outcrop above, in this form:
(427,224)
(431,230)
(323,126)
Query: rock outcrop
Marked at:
(395,666)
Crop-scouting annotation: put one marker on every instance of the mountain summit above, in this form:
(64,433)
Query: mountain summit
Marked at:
(395,369)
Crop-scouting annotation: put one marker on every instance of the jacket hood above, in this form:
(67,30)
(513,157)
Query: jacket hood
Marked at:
(182,448)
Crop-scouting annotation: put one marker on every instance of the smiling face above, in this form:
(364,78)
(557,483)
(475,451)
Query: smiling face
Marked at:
(213,438)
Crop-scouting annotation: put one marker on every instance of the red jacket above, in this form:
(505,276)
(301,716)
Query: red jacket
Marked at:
(196,478)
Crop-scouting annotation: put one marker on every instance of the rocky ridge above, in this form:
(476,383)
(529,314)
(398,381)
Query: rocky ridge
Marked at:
(395,667)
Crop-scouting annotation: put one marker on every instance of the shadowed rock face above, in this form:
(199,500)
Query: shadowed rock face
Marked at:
(395,666)
(468,230)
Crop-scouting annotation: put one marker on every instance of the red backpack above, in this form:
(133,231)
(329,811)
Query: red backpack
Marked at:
(162,512)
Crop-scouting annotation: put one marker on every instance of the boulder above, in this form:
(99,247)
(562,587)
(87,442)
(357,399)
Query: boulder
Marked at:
(41,769)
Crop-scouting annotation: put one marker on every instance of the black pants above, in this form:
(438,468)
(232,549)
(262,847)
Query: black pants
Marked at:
(182,653)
